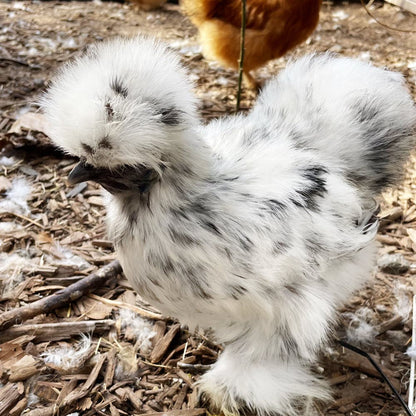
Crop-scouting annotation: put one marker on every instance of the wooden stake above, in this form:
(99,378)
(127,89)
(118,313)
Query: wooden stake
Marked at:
(411,399)
(242,50)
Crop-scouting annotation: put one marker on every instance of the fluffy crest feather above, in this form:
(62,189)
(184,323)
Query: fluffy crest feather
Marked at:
(117,103)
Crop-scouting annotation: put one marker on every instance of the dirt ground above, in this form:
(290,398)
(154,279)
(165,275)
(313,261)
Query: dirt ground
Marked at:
(53,235)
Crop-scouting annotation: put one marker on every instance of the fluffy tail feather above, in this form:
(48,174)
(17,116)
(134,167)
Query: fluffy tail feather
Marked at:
(359,116)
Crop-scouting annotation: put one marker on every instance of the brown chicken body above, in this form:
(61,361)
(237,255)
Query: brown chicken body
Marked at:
(273,27)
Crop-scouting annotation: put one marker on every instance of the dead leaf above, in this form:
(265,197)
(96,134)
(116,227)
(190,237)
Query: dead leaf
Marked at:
(128,296)
(94,309)
(412,234)
(29,121)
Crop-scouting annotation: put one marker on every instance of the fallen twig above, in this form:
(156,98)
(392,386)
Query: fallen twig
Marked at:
(56,331)
(194,367)
(22,217)
(388,325)
(62,297)
(14,61)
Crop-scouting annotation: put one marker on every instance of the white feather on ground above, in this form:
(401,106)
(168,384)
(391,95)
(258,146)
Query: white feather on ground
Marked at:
(403,307)
(17,197)
(411,352)
(7,161)
(9,227)
(32,399)
(360,328)
(65,257)
(67,357)
(12,269)
(140,328)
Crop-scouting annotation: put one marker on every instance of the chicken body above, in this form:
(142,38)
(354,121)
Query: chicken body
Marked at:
(256,226)
(273,27)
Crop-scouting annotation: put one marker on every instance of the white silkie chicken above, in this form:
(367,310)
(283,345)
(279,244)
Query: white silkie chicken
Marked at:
(257,226)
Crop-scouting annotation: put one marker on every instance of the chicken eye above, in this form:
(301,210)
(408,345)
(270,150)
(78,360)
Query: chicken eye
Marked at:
(117,86)
(170,116)
(105,143)
(87,148)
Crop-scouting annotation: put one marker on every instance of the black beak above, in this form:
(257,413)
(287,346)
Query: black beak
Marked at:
(122,179)
(82,173)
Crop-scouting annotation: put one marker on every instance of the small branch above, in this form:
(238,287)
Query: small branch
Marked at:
(388,325)
(194,367)
(62,297)
(242,50)
(22,217)
(56,331)
(14,61)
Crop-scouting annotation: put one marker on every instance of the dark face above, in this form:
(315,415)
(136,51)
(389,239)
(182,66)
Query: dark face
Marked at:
(123,179)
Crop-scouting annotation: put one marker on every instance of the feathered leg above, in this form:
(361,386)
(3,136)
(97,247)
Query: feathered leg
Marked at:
(267,387)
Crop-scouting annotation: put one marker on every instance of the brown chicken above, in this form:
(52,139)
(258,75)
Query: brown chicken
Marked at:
(273,27)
